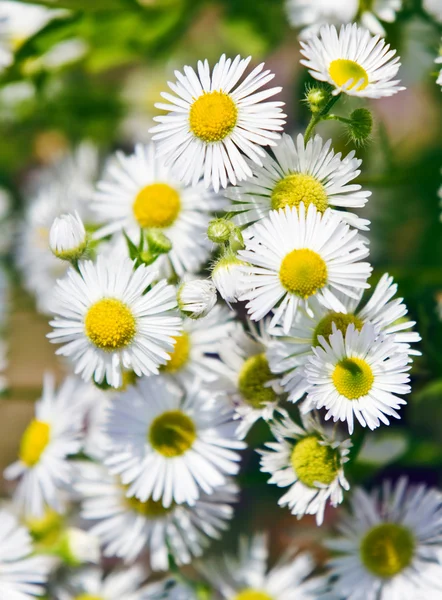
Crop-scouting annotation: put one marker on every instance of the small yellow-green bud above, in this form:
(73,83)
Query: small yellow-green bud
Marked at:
(219,231)
(360,127)
(317,98)
(158,242)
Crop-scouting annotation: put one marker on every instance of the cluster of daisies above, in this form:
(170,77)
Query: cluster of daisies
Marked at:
(134,456)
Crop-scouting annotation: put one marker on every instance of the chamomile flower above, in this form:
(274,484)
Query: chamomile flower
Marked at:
(194,353)
(22,576)
(310,463)
(248,577)
(254,389)
(139,191)
(169,447)
(311,173)
(352,61)
(386,313)
(212,122)
(127,526)
(356,375)
(295,254)
(52,436)
(390,545)
(108,323)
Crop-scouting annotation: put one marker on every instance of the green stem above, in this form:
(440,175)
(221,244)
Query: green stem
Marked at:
(319,117)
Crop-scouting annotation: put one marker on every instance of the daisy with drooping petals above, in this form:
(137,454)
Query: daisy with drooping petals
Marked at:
(356,375)
(390,545)
(52,436)
(310,463)
(213,121)
(352,61)
(22,576)
(296,254)
(310,173)
(126,526)
(168,447)
(385,313)
(248,577)
(108,323)
(139,191)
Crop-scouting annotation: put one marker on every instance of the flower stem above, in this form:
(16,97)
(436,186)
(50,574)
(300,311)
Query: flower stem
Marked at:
(319,117)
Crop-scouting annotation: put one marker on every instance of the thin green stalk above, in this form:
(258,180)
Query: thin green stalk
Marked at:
(319,117)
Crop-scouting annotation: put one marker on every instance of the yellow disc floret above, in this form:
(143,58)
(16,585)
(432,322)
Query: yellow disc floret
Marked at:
(213,116)
(151,509)
(110,324)
(303,272)
(314,462)
(157,205)
(353,378)
(297,188)
(251,594)
(180,354)
(342,70)
(341,320)
(255,373)
(387,549)
(34,441)
(172,433)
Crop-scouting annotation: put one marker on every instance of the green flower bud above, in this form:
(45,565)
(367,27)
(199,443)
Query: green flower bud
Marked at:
(158,242)
(219,231)
(361,125)
(317,98)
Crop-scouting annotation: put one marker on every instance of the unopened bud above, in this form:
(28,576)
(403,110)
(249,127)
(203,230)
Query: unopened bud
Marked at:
(196,298)
(226,276)
(360,127)
(219,231)
(78,547)
(158,242)
(317,98)
(67,237)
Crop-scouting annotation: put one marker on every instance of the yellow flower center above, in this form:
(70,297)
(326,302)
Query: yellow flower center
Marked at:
(387,549)
(88,597)
(341,70)
(314,462)
(172,433)
(151,509)
(46,529)
(254,374)
(341,320)
(157,205)
(250,594)
(297,188)
(179,355)
(110,324)
(34,441)
(213,116)
(303,272)
(353,378)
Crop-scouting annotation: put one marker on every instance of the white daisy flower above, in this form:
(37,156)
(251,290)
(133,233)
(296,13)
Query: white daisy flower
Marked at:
(213,122)
(196,297)
(226,274)
(308,461)
(108,322)
(127,526)
(352,61)
(139,191)
(390,545)
(356,375)
(22,576)
(194,353)
(297,254)
(52,436)
(310,173)
(311,14)
(169,447)
(247,576)
(253,388)
(386,313)
(67,237)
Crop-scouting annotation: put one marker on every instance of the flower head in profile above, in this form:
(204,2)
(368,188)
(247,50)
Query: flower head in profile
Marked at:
(196,297)
(390,545)
(213,121)
(310,463)
(352,61)
(108,322)
(67,237)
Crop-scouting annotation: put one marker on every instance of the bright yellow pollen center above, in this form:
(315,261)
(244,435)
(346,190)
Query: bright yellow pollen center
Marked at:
(353,378)
(157,205)
(151,509)
(303,272)
(110,324)
(213,116)
(255,373)
(341,70)
(387,549)
(314,462)
(250,594)
(179,355)
(172,433)
(341,320)
(297,188)
(33,442)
